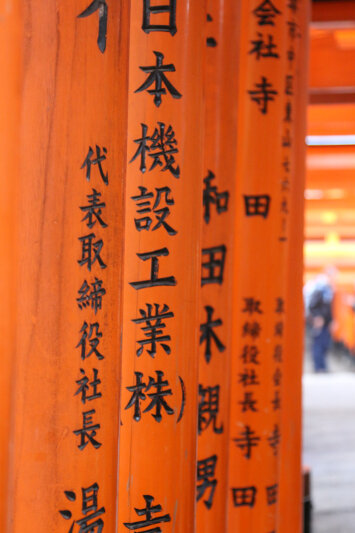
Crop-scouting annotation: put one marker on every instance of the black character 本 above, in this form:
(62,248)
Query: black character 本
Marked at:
(156,76)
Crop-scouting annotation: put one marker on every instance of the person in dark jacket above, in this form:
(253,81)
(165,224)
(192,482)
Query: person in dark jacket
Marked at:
(320,314)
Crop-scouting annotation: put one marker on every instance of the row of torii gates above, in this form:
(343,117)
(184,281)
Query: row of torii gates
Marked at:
(151,274)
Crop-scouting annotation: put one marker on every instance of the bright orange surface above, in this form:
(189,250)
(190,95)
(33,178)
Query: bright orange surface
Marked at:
(73,97)
(220,85)
(10,61)
(260,269)
(330,189)
(158,458)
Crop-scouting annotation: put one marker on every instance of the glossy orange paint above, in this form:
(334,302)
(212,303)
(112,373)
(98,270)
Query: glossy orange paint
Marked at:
(260,246)
(158,450)
(290,483)
(220,86)
(73,97)
(10,61)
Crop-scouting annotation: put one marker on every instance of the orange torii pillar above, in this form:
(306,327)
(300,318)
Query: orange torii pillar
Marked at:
(157,465)
(10,61)
(290,484)
(260,247)
(69,237)
(220,89)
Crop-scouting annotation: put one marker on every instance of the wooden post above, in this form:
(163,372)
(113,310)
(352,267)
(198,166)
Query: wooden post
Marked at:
(260,305)
(220,88)
(162,268)
(69,246)
(291,493)
(10,61)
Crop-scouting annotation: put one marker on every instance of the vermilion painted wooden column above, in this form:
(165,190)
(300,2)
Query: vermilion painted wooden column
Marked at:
(69,245)
(157,466)
(10,62)
(220,87)
(290,510)
(261,241)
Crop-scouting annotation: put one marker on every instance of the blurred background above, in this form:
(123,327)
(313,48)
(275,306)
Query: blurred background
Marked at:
(329,277)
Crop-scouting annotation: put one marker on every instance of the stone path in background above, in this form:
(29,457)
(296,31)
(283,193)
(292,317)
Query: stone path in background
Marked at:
(329,443)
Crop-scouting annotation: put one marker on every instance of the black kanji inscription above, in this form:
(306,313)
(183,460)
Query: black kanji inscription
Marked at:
(206,480)
(208,409)
(89,161)
(160,147)
(152,318)
(156,76)
(102,8)
(91,521)
(154,280)
(153,11)
(149,520)
(263,94)
(145,210)
(208,335)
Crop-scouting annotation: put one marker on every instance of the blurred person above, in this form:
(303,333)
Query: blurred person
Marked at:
(320,320)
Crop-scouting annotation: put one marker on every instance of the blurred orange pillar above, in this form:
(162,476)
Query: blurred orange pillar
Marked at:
(69,225)
(157,466)
(291,494)
(220,88)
